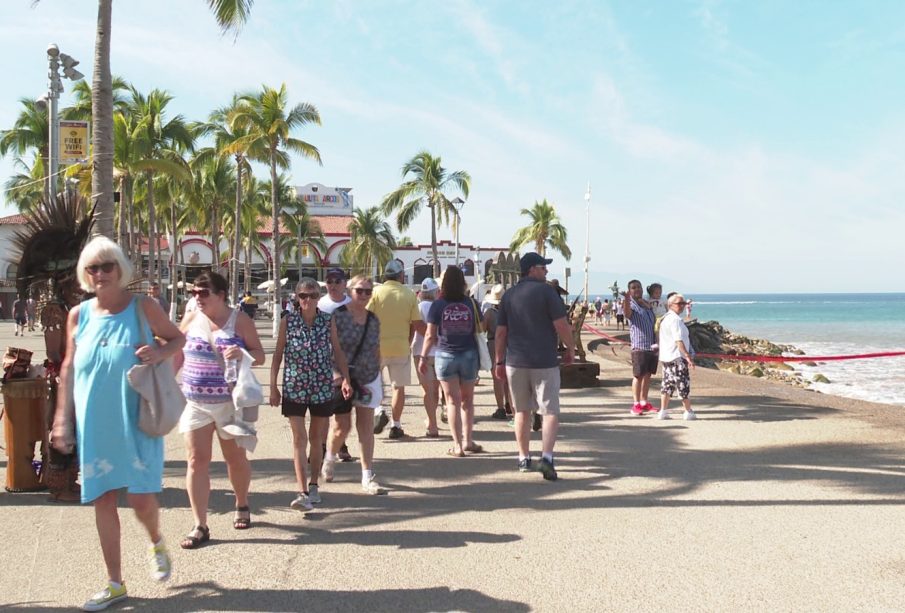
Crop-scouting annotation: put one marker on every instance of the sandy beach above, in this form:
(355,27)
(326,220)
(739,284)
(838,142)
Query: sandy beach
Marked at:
(775,499)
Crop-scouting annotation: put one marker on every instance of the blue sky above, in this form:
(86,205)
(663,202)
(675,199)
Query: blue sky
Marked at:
(730,146)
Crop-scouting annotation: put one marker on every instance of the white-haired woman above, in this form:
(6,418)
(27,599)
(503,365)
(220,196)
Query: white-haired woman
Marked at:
(104,342)
(306,341)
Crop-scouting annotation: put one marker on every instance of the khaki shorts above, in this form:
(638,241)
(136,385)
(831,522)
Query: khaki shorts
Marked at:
(430,376)
(534,389)
(399,371)
(197,415)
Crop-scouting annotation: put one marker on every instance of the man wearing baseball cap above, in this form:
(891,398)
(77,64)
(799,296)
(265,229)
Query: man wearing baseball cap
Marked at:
(531,317)
(396,306)
(336,295)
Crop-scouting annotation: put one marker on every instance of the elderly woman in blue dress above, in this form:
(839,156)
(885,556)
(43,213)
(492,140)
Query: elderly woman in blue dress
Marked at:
(114,454)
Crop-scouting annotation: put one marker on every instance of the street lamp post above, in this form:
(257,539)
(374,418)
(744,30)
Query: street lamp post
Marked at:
(458,203)
(55,60)
(587,240)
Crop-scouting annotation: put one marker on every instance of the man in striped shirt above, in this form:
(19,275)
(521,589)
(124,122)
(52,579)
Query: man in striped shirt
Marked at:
(644,355)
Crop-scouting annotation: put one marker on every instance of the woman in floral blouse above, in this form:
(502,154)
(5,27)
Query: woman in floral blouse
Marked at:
(307,341)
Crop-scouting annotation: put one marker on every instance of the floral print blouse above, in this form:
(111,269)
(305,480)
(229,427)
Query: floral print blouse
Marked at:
(308,360)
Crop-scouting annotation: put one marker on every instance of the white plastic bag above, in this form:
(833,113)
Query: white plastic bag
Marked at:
(247,393)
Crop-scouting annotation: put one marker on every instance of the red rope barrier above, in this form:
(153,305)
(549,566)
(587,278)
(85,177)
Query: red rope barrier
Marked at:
(768,358)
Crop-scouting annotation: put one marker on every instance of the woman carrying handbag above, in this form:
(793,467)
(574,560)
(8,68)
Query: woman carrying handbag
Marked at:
(114,454)
(215,338)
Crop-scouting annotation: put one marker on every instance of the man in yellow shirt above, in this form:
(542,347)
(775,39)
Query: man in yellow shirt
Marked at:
(396,306)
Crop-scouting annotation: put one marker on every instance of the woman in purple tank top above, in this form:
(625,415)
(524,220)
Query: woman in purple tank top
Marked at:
(215,335)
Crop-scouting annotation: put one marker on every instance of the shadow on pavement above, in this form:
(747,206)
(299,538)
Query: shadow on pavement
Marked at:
(209,596)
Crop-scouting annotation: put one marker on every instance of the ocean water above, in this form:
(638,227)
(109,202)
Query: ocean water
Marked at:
(824,325)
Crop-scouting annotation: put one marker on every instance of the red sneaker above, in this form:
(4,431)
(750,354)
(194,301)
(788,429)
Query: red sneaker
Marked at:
(637,409)
(647,407)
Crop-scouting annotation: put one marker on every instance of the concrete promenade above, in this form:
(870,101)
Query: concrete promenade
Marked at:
(776,499)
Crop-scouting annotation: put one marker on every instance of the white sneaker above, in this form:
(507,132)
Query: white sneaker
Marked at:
(663,414)
(314,494)
(370,486)
(160,562)
(327,469)
(690,416)
(301,503)
(106,597)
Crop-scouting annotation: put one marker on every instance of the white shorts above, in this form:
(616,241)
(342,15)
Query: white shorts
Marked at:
(197,415)
(399,371)
(376,389)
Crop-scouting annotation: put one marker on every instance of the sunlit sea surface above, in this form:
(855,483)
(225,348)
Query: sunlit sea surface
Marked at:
(823,325)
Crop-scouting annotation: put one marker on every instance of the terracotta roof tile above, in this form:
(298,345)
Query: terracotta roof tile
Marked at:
(13,220)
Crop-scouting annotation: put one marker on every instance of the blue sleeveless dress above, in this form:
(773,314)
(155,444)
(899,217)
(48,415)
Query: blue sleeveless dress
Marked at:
(113,452)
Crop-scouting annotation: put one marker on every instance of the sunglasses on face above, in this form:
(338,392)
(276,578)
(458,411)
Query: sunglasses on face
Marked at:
(334,281)
(363,291)
(682,303)
(200,293)
(106,267)
(306,296)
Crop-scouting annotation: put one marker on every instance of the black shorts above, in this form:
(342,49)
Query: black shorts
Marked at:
(644,363)
(620,317)
(300,409)
(341,406)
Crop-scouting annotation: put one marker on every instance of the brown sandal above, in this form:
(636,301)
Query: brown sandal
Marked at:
(194,539)
(242,520)
(474,448)
(456,454)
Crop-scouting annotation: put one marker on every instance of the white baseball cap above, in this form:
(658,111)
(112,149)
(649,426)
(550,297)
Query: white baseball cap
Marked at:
(429,285)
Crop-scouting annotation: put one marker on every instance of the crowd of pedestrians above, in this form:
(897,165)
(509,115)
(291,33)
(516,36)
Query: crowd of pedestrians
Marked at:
(330,355)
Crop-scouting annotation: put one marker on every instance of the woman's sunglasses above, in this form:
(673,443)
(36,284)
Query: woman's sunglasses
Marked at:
(200,293)
(307,296)
(363,291)
(106,267)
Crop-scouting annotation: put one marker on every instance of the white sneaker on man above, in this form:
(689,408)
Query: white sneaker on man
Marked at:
(663,414)
(690,416)
(371,486)
(301,503)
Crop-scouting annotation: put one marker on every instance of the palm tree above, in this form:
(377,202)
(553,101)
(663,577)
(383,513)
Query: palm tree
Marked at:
(159,143)
(429,185)
(81,109)
(230,16)
(268,138)
(371,242)
(226,142)
(28,134)
(214,184)
(545,230)
(305,233)
(25,189)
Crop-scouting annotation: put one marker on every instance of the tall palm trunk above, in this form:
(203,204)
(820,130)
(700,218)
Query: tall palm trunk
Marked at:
(248,263)
(152,224)
(174,255)
(275,239)
(434,237)
(122,215)
(102,120)
(128,196)
(215,238)
(237,230)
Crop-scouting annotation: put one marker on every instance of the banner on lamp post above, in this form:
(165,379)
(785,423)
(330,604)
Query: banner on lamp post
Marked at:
(73,141)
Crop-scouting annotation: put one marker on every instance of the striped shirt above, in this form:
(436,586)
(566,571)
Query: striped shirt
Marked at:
(641,328)
(202,373)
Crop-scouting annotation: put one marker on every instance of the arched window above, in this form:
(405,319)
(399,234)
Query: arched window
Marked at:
(468,268)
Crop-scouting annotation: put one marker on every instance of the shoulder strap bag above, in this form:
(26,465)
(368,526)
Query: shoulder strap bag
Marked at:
(161,401)
(480,338)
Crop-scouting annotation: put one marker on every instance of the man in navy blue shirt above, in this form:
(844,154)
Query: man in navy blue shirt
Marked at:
(531,317)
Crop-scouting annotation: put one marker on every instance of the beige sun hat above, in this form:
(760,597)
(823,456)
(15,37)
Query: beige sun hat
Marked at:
(495,294)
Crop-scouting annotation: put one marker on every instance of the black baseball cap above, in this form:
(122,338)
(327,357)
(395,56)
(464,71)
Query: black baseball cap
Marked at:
(531,259)
(336,273)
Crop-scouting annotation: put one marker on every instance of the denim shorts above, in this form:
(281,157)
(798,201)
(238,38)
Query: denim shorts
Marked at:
(462,366)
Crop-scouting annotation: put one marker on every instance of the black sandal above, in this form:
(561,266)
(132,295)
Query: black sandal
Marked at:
(193,541)
(242,520)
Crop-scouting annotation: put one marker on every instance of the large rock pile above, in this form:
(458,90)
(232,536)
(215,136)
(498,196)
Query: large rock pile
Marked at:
(710,337)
